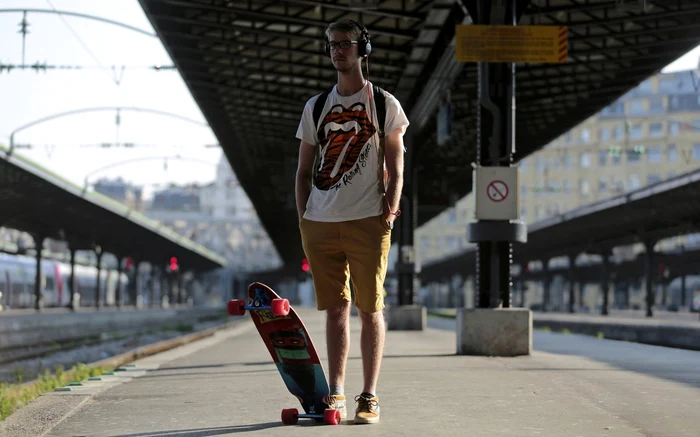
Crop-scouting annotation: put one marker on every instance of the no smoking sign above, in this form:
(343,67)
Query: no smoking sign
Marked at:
(496,192)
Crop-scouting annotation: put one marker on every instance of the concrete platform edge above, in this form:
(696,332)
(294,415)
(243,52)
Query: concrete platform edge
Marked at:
(406,318)
(45,412)
(501,332)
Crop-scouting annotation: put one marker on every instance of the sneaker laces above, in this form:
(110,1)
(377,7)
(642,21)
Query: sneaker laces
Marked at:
(365,404)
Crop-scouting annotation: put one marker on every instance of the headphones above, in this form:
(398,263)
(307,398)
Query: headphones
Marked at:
(364,46)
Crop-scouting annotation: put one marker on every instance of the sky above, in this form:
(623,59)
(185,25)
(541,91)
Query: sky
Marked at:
(60,144)
(66,145)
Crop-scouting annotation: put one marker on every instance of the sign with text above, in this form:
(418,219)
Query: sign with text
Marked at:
(525,44)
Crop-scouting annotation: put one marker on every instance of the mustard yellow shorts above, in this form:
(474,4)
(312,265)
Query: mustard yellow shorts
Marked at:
(340,251)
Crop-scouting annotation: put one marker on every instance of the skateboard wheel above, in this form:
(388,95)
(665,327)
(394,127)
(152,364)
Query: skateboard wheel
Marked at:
(331,417)
(235,307)
(280,307)
(290,416)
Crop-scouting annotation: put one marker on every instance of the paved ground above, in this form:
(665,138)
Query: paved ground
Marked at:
(570,386)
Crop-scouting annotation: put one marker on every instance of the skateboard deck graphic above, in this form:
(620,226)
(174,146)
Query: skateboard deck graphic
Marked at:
(292,350)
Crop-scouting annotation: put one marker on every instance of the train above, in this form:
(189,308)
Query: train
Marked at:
(18,273)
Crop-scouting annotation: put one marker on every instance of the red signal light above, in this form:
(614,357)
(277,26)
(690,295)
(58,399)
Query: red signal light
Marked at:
(305,265)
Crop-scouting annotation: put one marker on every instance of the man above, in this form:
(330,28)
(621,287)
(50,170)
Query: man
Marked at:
(348,189)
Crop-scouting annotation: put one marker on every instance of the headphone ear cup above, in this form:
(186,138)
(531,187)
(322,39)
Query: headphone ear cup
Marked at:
(368,48)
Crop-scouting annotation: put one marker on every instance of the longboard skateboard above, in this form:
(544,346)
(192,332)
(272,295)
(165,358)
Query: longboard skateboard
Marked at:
(291,349)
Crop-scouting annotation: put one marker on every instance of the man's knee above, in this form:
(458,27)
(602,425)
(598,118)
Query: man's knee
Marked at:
(371,314)
(339,311)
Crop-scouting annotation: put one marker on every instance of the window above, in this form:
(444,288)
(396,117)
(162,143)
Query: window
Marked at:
(566,160)
(634,154)
(671,153)
(585,160)
(604,134)
(656,130)
(654,155)
(619,132)
(523,213)
(656,104)
(668,84)
(634,182)
(696,152)
(523,191)
(602,158)
(636,107)
(540,164)
(617,185)
(673,128)
(452,216)
(566,186)
(653,178)
(584,187)
(636,131)
(602,185)
(585,136)
(671,174)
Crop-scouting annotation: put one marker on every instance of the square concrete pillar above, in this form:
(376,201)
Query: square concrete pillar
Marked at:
(406,318)
(499,332)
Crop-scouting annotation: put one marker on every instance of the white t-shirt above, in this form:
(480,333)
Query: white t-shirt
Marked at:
(349,183)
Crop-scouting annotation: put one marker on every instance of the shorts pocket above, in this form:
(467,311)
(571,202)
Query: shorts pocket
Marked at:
(385,224)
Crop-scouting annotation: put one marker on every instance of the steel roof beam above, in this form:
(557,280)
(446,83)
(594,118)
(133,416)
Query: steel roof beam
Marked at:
(271,33)
(273,18)
(386,13)
(242,45)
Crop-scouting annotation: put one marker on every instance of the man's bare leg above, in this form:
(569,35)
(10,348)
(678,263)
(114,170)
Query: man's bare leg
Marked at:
(372,346)
(338,339)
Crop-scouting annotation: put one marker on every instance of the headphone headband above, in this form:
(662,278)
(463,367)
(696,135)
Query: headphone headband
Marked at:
(364,45)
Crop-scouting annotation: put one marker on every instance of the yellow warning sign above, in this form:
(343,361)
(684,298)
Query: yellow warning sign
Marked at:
(485,43)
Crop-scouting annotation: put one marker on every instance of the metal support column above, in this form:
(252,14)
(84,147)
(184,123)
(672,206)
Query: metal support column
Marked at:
(650,297)
(138,285)
(119,294)
(546,285)
(405,262)
(572,282)
(38,295)
(495,148)
(98,285)
(73,305)
(605,282)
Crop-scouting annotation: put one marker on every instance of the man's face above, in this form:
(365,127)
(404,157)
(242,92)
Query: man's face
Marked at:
(343,59)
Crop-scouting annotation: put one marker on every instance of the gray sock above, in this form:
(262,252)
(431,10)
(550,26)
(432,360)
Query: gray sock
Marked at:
(337,390)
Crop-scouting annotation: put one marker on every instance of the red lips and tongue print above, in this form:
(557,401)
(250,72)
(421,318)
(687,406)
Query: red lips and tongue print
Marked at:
(343,133)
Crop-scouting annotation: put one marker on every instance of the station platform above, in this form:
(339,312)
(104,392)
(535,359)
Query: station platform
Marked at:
(570,385)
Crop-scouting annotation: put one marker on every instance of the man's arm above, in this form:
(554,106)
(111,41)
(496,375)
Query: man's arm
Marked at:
(303,180)
(393,154)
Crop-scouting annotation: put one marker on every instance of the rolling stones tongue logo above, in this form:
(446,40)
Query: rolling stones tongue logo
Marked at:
(343,134)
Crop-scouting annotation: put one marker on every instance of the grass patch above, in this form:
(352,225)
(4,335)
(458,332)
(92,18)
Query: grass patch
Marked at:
(15,396)
(565,331)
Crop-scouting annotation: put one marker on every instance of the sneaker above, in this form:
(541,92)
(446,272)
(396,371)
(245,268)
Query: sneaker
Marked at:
(367,409)
(338,402)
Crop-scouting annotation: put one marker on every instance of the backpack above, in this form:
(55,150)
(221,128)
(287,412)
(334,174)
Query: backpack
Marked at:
(379,104)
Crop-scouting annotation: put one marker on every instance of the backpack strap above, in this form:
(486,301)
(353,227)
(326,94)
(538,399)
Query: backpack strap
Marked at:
(380,104)
(318,107)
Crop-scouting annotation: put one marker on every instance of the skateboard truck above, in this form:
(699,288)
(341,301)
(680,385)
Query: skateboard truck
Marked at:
(290,416)
(279,307)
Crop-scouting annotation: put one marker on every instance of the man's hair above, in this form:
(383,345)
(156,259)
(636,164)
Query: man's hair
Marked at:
(344,26)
